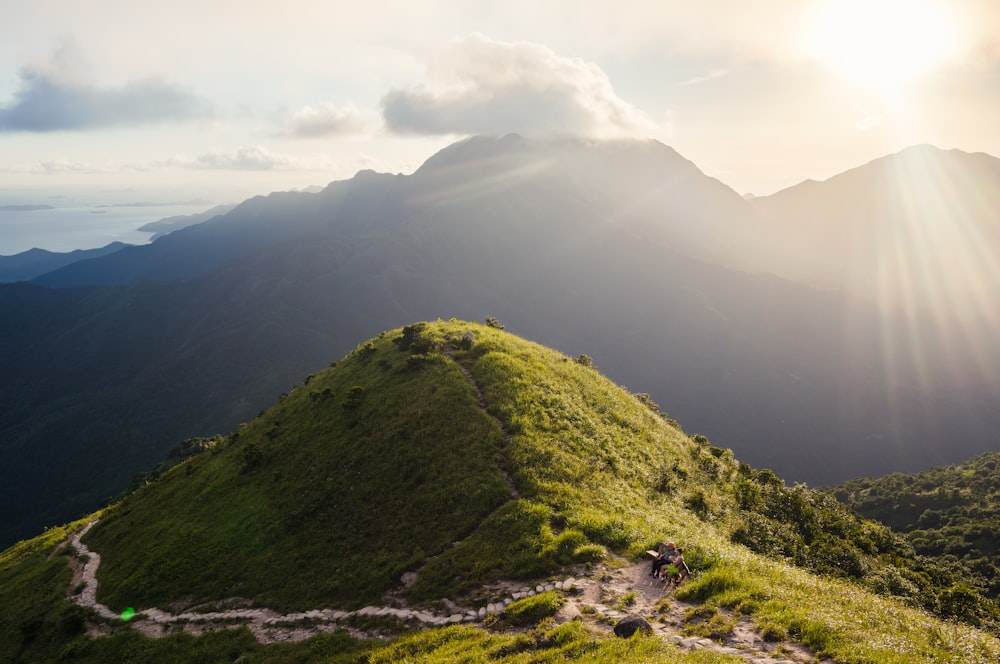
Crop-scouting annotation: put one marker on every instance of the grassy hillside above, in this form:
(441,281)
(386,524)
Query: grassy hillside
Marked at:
(460,456)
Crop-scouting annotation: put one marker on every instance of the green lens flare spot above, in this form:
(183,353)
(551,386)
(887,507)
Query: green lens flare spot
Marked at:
(128,614)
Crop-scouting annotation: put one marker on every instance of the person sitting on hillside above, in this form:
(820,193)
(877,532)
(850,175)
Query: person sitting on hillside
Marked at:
(676,570)
(667,555)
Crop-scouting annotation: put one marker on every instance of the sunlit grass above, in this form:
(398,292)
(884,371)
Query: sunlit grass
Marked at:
(836,618)
(386,463)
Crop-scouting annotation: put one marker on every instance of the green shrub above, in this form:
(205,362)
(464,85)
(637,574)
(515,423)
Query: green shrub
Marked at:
(589,553)
(708,622)
(611,532)
(564,547)
(534,609)
(709,585)
(697,502)
(772,631)
(409,336)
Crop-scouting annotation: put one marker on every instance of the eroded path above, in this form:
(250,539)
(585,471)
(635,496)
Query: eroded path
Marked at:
(599,597)
(470,379)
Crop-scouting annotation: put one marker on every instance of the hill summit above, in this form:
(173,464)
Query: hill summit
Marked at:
(453,472)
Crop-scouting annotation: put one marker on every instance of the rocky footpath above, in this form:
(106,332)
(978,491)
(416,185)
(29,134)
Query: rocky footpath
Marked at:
(601,597)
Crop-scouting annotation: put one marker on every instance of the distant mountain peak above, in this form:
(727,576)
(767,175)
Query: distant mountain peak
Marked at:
(501,151)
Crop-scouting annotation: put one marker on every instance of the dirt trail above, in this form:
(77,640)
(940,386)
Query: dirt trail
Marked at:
(617,590)
(600,597)
(485,408)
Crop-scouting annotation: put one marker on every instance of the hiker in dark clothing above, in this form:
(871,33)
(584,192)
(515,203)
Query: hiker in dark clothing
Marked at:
(668,555)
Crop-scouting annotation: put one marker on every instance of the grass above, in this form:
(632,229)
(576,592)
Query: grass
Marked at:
(534,609)
(356,477)
(836,618)
(386,463)
(569,642)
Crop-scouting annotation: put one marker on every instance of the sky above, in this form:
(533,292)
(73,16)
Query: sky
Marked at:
(222,100)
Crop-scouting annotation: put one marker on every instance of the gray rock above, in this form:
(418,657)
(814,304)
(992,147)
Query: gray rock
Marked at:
(629,625)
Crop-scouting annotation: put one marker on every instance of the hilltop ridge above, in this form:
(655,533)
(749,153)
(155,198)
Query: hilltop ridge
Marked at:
(436,465)
(624,249)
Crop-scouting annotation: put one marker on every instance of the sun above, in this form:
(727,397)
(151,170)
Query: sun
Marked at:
(882,45)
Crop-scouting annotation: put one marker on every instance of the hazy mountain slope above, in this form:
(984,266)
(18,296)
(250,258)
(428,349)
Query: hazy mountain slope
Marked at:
(644,186)
(462,455)
(168,225)
(35,262)
(917,230)
(255,224)
(589,248)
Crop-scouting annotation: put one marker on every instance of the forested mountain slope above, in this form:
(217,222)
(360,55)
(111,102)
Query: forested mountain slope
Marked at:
(951,513)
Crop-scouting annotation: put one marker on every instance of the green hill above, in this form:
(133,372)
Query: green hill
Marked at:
(437,470)
(951,513)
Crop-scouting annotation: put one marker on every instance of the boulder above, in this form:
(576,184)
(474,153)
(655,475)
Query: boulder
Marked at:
(629,625)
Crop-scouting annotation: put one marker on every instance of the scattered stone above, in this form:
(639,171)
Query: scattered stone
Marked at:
(629,625)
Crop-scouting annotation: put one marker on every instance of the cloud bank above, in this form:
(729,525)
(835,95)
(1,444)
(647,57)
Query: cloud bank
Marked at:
(253,158)
(326,120)
(59,96)
(482,86)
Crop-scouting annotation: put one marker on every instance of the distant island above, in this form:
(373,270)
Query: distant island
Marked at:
(24,208)
(193,201)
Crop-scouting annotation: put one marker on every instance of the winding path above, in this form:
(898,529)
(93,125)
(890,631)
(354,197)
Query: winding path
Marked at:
(599,593)
(267,625)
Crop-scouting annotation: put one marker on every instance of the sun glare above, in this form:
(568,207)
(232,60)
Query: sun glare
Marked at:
(882,45)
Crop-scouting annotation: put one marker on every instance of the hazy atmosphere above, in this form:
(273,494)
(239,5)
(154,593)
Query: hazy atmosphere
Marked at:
(433,331)
(107,101)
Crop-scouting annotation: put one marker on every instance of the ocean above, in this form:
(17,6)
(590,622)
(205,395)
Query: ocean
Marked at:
(63,229)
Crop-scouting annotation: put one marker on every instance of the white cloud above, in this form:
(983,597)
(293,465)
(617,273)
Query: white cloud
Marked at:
(869,122)
(58,95)
(253,158)
(712,75)
(66,166)
(326,120)
(482,86)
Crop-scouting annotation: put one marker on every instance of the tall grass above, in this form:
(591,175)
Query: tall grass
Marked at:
(386,463)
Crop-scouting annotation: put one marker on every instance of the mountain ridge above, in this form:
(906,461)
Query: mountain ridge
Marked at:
(614,263)
(33,263)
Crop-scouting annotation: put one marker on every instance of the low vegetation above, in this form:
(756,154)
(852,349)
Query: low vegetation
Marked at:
(949,514)
(460,455)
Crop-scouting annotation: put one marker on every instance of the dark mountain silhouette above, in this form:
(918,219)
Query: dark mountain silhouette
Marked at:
(616,250)
(35,262)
